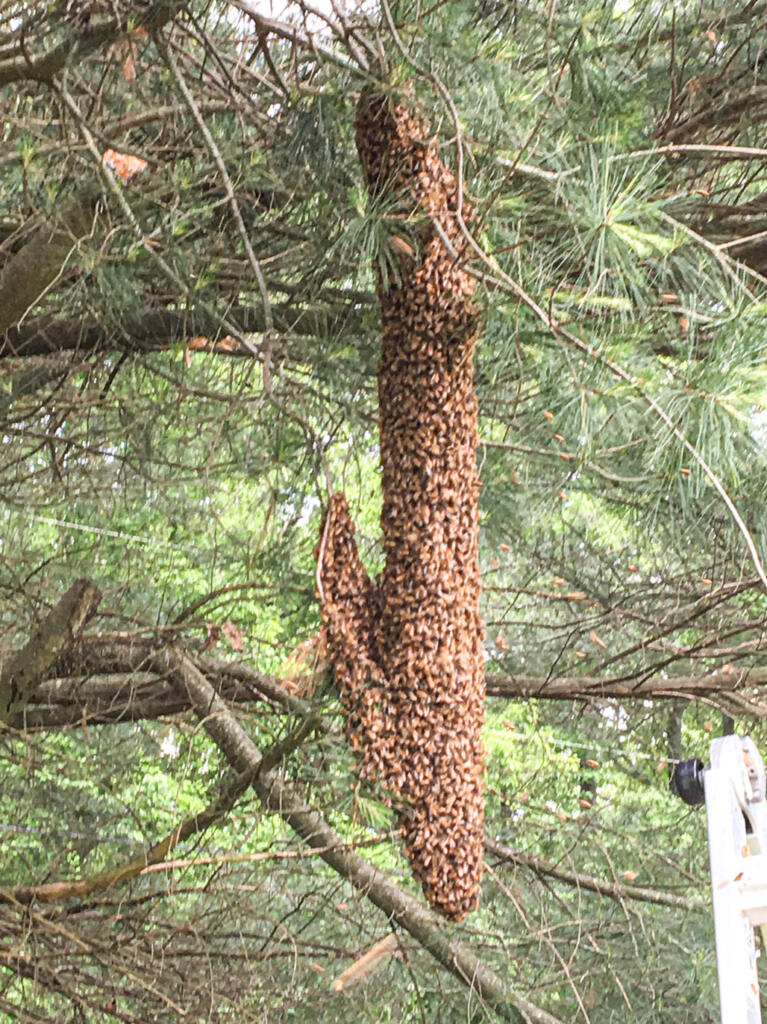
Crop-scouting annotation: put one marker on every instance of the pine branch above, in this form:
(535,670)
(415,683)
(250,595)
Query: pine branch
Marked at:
(108,682)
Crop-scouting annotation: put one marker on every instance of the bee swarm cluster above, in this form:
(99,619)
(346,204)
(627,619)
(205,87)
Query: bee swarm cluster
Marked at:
(407,650)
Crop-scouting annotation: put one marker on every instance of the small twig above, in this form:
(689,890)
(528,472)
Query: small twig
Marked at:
(500,279)
(159,262)
(321,558)
(215,153)
(430,76)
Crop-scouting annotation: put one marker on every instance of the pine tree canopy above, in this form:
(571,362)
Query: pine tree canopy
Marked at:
(201,262)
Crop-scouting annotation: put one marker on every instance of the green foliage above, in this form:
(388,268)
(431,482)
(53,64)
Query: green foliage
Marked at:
(602,149)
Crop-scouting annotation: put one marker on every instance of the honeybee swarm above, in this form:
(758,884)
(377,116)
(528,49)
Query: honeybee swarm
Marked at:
(407,651)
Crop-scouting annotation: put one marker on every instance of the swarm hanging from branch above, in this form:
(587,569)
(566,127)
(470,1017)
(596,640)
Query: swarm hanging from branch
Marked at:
(407,650)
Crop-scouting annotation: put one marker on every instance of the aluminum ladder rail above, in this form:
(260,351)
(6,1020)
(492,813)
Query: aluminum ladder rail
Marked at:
(733,789)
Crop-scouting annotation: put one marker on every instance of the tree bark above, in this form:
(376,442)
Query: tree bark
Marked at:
(23,672)
(159,329)
(27,274)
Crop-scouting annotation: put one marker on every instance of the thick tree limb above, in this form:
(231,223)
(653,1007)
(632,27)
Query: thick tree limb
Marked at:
(106,680)
(27,274)
(160,329)
(77,42)
(278,796)
(23,671)
(734,688)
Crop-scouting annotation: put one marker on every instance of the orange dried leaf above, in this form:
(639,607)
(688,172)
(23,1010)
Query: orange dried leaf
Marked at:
(124,165)
(401,246)
(630,875)
(580,654)
(128,66)
(591,763)
(595,638)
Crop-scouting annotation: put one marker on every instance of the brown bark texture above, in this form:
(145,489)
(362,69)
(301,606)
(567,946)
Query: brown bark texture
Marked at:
(407,651)
(23,671)
(26,275)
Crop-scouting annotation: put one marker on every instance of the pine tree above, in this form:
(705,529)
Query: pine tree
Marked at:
(196,281)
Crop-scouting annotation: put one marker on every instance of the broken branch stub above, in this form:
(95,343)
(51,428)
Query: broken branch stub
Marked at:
(407,651)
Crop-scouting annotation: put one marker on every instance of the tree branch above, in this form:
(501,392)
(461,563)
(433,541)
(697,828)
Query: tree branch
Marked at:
(159,329)
(106,680)
(28,274)
(613,889)
(79,41)
(22,673)
(124,872)
(731,686)
(278,796)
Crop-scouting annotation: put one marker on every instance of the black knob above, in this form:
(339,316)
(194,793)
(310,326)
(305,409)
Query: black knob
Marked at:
(687,781)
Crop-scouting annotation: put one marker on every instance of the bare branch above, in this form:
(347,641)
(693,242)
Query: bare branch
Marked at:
(612,889)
